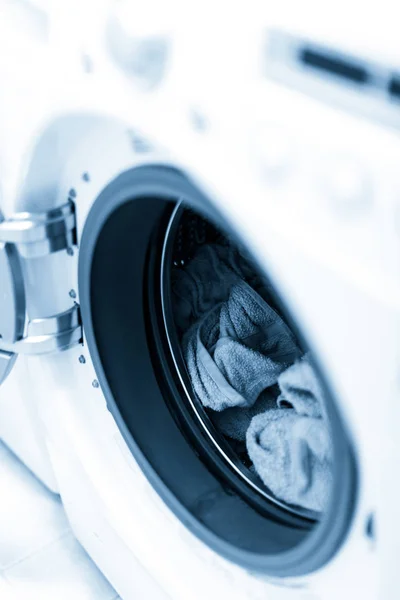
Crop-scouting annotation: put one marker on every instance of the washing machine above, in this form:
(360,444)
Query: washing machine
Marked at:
(134,139)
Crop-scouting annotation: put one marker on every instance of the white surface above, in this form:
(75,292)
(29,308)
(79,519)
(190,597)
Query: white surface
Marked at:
(20,428)
(40,558)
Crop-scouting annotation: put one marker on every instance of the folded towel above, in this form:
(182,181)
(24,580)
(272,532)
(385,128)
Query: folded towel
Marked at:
(291,447)
(237,350)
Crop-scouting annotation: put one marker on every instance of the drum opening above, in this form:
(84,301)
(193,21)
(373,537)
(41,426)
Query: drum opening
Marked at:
(139,241)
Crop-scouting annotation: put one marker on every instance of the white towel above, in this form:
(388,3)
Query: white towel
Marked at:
(291,447)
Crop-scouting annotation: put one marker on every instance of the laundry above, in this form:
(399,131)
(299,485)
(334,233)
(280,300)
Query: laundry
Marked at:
(245,367)
(207,281)
(204,283)
(291,447)
(237,350)
(234,422)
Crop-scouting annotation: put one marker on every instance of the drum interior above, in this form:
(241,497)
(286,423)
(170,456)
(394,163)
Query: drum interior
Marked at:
(187,233)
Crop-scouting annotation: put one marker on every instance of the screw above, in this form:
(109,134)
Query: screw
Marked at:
(72,293)
(86,177)
(198,120)
(370,527)
(139,144)
(95,383)
(70,251)
(72,193)
(82,359)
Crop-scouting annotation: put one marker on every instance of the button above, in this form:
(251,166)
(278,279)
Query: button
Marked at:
(348,185)
(138,41)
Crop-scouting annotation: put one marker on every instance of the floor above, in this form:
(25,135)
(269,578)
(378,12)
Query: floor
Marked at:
(39,557)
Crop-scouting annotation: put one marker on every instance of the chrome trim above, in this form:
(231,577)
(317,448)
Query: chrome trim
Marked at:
(52,334)
(39,234)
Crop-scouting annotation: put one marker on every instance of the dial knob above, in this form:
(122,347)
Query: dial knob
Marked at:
(138,38)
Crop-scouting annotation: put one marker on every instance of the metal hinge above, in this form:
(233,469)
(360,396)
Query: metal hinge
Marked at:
(33,235)
(39,234)
(52,334)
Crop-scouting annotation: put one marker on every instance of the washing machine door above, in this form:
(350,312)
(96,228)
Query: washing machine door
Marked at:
(12,304)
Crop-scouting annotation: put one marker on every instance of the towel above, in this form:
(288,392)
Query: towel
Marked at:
(237,350)
(234,422)
(207,280)
(291,447)
(245,367)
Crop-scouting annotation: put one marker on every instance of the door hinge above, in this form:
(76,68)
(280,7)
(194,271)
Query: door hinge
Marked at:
(39,234)
(44,336)
(33,235)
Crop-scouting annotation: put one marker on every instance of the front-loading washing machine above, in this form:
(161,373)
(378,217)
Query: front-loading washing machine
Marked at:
(145,186)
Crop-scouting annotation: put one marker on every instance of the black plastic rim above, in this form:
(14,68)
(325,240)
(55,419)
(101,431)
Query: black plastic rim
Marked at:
(120,250)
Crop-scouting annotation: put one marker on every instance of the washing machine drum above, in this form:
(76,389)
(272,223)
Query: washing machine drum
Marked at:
(210,380)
